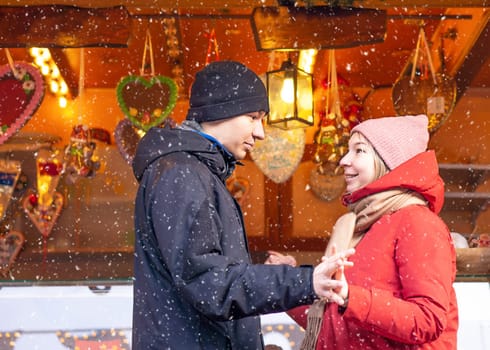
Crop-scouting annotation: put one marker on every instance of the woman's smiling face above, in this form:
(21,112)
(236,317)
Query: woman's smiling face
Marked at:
(358,163)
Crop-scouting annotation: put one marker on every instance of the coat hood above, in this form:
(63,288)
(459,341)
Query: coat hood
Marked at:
(159,142)
(419,174)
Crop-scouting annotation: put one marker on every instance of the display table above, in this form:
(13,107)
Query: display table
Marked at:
(46,317)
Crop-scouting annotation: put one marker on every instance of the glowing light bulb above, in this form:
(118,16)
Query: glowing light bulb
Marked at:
(54,86)
(63,88)
(44,69)
(287,90)
(62,102)
(55,72)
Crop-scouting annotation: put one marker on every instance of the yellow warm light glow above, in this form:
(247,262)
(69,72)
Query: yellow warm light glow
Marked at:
(44,61)
(45,54)
(55,72)
(63,88)
(39,61)
(287,90)
(62,102)
(54,86)
(307,59)
(44,69)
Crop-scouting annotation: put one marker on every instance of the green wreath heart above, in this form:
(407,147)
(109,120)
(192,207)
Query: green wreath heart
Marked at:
(146,103)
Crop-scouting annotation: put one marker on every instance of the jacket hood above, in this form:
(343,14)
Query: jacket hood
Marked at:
(159,142)
(419,174)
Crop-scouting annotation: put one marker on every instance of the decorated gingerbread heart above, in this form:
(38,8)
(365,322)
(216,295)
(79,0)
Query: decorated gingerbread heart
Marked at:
(43,216)
(127,139)
(10,247)
(21,93)
(280,153)
(146,102)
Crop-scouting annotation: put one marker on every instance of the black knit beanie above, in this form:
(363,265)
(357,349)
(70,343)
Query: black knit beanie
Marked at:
(226,89)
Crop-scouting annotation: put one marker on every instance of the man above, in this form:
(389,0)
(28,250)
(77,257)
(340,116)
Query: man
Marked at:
(195,286)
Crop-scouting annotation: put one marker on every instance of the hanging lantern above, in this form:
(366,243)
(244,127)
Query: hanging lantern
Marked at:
(420,89)
(290,91)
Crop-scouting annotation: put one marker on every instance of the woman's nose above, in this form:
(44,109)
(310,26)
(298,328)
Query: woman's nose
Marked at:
(344,160)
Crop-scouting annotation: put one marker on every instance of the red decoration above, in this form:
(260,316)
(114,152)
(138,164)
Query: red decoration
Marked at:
(21,93)
(101,339)
(50,168)
(213,51)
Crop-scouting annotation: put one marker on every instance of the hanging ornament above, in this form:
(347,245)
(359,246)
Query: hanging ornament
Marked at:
(281,151)
(9,174)
(127,137)
(11,244)
(146,102)
(422,90)
(12,186)
(80,159)
(44,205)
(21,94)
(238,187)
(174,51)
(342,112)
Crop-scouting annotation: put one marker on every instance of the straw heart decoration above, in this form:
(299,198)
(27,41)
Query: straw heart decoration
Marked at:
(280,153)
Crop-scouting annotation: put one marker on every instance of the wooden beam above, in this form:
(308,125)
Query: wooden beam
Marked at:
(475,60)
(230,4)
(64,26)
(320,27)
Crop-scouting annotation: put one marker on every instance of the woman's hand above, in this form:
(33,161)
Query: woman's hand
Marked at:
(325,276)
(343,292)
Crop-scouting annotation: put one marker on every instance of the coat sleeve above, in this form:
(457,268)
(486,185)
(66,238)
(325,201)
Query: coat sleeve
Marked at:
(425,259)
(216,280)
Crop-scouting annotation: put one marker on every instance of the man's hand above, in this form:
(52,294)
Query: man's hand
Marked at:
(276,258)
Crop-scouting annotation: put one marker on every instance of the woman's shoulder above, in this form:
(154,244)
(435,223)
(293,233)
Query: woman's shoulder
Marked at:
(419,221)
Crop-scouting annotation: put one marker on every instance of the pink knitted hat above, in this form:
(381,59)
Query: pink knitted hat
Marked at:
(396,139)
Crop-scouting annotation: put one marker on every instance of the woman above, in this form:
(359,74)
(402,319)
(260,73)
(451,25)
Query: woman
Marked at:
(399,292)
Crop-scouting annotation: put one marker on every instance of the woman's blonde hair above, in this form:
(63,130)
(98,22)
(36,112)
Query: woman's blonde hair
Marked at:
(380,168)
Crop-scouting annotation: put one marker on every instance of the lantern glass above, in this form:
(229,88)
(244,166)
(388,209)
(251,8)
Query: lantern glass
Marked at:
(290,91)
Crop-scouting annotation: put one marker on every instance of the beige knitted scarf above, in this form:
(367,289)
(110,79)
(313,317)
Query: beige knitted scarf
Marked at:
(348,231)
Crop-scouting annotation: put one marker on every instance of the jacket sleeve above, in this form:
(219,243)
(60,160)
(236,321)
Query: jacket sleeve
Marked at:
(218,281)
(425,259)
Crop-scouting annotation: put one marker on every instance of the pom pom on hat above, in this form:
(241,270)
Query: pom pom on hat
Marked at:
(225,89)
(396,139)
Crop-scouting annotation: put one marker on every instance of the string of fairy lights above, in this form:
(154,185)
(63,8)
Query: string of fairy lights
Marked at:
(54,80)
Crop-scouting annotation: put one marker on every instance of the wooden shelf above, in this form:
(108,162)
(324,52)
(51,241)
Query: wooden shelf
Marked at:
(461,182)
(466,201)
(463,177)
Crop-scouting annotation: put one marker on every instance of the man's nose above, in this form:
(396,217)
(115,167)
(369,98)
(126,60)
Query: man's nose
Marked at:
(258,131)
